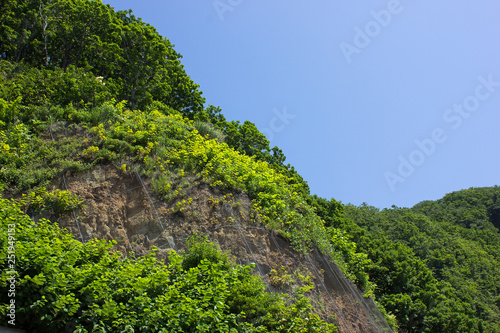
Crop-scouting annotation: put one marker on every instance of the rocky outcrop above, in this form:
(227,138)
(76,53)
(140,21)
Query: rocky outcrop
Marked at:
(121,206)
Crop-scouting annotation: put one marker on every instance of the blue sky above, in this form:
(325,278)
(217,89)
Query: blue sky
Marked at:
(387,102)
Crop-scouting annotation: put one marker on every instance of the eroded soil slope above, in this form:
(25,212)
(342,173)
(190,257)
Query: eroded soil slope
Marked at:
(121,206)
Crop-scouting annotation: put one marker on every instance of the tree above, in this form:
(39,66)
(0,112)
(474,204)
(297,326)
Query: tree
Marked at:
(134,60)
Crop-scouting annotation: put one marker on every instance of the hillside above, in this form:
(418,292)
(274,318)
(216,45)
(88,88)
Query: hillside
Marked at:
(129,205)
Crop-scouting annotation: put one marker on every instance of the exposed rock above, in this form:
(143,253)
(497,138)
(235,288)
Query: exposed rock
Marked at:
(122,206)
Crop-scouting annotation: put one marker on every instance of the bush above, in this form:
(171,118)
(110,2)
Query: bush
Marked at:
(57,202)
(199,249)
(31,86)
(208,130)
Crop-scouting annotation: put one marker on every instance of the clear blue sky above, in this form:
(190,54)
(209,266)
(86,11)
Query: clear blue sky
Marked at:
(383,102)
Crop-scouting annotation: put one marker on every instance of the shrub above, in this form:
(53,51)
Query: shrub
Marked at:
(199,249)
(208,130)
(57,202)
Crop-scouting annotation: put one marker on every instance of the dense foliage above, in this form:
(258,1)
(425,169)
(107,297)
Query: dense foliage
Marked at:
(136,63)
(445,255)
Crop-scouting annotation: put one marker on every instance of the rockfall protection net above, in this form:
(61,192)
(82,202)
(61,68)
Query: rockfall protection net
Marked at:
(248,243)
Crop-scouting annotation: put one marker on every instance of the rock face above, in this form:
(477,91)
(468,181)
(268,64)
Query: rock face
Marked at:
(121,206)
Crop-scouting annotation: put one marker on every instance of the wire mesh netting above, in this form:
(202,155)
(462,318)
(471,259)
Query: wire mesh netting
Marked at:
(121,206)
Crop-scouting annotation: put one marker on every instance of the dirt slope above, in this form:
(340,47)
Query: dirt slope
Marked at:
(121,206)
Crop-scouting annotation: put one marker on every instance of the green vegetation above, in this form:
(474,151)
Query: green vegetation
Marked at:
(438,262)
(57,202)
(82,85)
